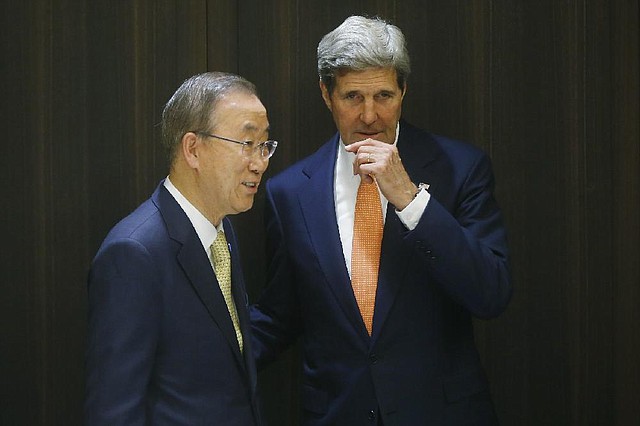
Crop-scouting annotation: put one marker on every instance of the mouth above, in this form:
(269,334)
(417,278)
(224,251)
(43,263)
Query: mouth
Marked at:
(369,134)
(252,186)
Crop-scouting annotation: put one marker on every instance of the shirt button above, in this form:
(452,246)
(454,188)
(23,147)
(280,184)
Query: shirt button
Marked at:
(372,415)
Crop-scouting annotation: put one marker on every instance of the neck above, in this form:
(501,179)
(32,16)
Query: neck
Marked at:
(186,183)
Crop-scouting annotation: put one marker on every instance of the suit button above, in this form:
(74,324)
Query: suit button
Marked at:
(373,358)
(372,415)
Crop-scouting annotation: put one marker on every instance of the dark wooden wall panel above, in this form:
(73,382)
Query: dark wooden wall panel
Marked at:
(550,89)
(625,189)
(43,153)
(222,35)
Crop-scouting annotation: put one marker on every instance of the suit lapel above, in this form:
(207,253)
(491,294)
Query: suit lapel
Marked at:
(318,209)
(196,266)
(394,262)
(205,284)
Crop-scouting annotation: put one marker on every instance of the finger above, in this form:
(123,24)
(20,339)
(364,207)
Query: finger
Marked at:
(369,158)
(361,160)
(354,147)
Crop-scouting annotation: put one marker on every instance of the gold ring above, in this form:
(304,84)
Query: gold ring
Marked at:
(369,158)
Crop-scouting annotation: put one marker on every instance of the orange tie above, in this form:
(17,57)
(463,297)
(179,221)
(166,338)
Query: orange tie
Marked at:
(365,255)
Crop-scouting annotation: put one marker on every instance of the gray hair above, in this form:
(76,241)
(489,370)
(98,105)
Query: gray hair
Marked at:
(192,106)
(360,43)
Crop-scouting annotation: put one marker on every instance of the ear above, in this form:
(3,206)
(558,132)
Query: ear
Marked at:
(404,90)
(326,95)
(190,146)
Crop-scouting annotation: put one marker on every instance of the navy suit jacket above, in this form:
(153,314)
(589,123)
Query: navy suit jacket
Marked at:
(420,366)
(161,344)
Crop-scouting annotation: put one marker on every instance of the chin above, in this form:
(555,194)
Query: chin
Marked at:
(245,207)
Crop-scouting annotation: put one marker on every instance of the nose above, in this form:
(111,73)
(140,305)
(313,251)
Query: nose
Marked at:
(258,164)
(368,115)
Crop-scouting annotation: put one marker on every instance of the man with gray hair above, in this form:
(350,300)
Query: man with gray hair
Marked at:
(382,247)
(169,338)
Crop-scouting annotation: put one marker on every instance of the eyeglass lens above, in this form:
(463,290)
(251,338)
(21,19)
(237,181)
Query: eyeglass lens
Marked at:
(266,149)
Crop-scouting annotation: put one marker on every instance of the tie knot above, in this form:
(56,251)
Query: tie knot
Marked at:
(368,203)
(220,249)
(221,239)
(368,187)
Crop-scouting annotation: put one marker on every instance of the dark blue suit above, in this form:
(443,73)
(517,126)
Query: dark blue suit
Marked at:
(420,366)
(161,345)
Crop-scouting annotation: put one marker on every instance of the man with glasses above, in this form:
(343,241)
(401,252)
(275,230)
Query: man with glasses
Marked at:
(168,337)
(383,245)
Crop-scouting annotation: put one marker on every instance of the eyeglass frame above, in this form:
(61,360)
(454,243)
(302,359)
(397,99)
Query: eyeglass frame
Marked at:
(261,146)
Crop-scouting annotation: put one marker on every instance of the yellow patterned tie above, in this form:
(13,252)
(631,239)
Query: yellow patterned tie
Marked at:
(222,264)
(365,255)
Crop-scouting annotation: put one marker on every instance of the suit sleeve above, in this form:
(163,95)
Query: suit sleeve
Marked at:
(465,250)
(124,308)
(275,319)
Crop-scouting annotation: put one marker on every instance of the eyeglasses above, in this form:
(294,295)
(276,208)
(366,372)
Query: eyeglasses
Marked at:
(266,148)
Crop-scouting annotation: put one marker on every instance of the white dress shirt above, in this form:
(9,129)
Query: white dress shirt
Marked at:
(345,190)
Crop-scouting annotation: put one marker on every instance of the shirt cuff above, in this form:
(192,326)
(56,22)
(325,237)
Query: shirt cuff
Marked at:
(410,215)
